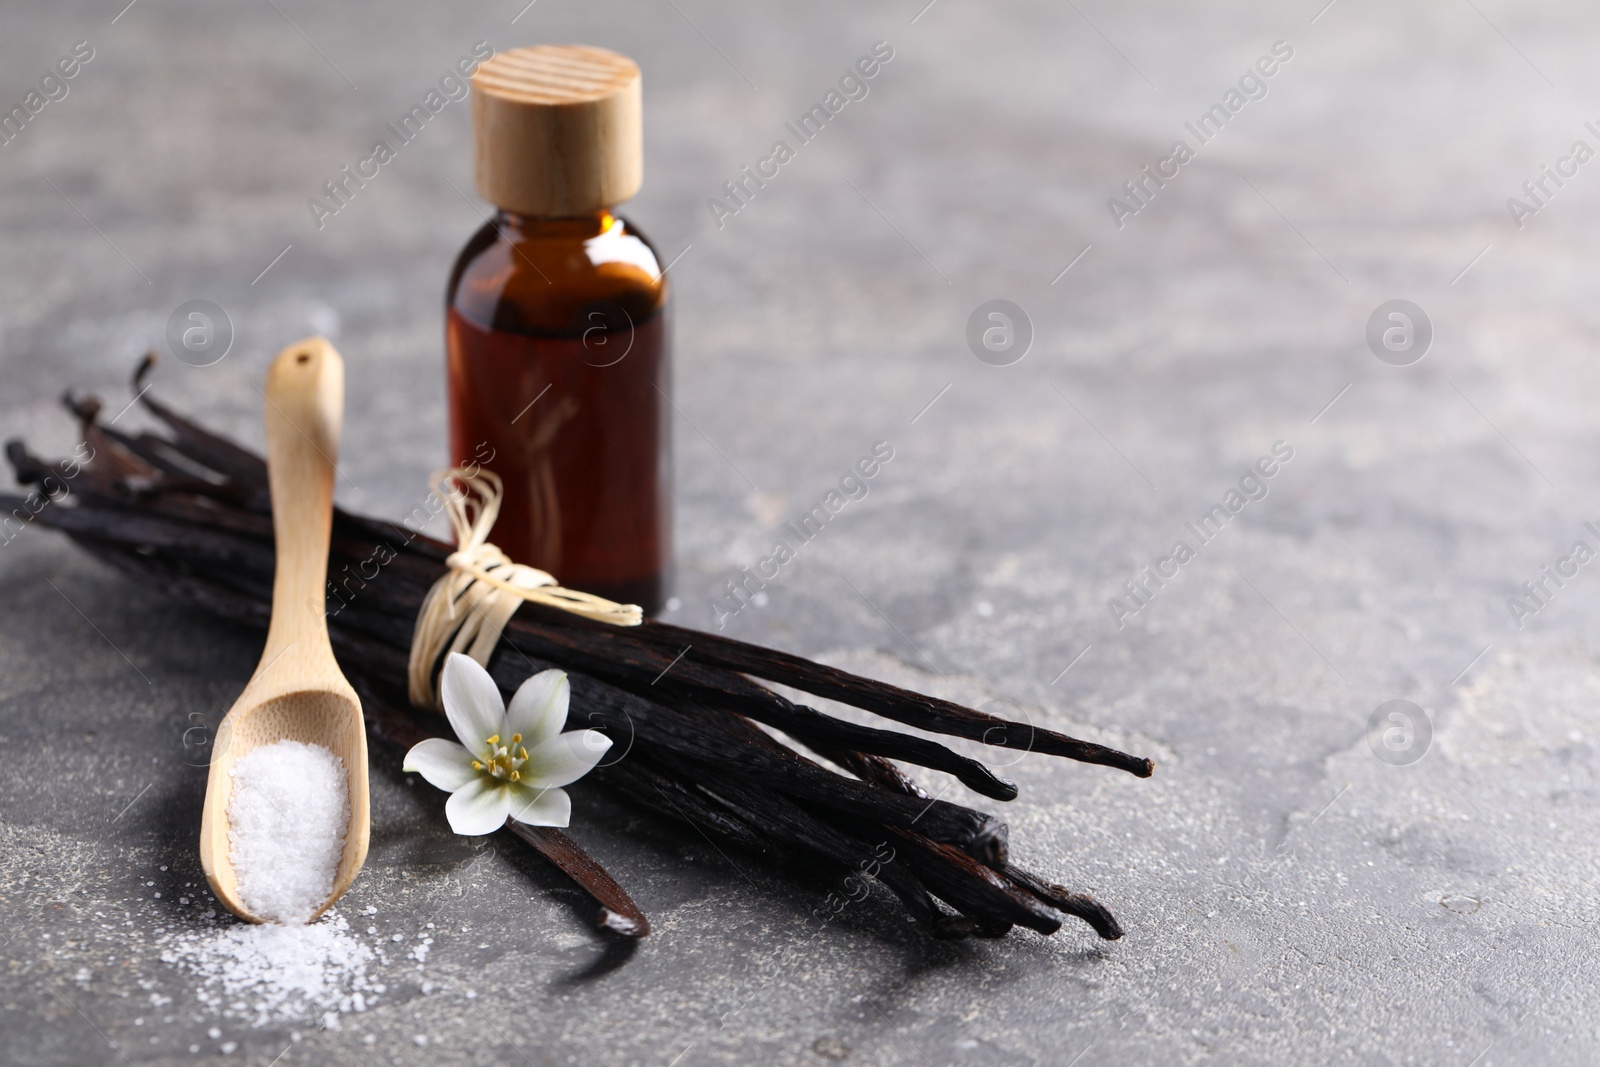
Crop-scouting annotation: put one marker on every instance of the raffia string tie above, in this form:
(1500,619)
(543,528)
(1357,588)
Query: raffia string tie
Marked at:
(469,606)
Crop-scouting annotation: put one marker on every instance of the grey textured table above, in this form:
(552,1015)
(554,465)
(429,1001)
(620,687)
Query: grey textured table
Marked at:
(1289,896)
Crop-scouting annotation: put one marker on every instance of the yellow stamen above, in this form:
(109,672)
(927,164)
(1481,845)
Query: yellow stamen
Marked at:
(498,762)
(516,739)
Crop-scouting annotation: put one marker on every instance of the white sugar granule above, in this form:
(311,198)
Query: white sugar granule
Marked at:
(286,826)
(272,973)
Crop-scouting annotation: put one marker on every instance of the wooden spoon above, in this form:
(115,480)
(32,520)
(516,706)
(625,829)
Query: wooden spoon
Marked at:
(297,693)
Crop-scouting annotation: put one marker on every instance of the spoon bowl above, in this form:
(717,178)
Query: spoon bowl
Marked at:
(297,692)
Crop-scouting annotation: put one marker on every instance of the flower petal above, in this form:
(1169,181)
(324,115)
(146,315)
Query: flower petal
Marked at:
(471,700)
(479,807)
(540,807)
(565,758)
(538,709)
(443,764)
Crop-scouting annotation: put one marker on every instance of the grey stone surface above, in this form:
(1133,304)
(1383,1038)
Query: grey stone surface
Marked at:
(1289,896)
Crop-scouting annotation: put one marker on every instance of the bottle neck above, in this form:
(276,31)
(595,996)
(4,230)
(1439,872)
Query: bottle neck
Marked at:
(591,224)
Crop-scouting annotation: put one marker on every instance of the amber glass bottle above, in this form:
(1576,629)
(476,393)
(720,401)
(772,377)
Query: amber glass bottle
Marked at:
(556,327)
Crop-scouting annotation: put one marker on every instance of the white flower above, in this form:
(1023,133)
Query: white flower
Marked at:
(511,761)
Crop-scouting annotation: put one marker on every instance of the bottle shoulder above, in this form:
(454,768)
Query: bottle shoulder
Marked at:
(548,276)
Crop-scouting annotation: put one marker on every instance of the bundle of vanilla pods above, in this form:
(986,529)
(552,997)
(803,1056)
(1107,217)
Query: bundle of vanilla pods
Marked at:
(189,511)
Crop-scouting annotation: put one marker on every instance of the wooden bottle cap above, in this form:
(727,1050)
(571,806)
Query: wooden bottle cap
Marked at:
(557,130)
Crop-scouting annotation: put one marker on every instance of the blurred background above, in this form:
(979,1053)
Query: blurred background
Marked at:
(1298,884)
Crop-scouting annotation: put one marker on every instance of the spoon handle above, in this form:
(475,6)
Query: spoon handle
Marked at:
(304,415)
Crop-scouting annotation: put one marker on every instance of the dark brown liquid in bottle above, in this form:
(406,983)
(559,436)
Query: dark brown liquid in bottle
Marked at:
(559,372)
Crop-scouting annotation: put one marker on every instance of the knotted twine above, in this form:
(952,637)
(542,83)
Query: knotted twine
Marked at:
(469,606)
